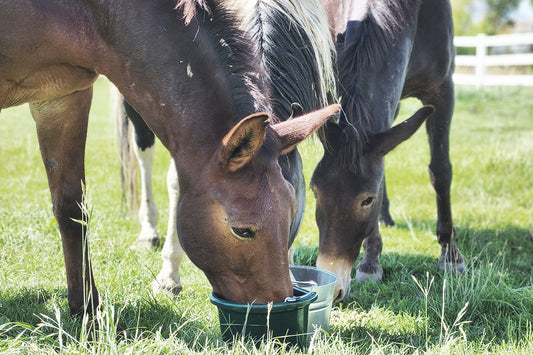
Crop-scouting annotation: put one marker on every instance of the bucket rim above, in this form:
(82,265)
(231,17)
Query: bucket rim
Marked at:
(316,268)
(306,298)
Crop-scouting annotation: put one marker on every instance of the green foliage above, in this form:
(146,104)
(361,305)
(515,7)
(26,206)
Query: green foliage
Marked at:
(493,21)
(415,309)
(498,15)
(462,17)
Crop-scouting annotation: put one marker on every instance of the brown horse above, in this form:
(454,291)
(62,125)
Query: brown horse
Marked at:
(293,42)
(387,50)
(193,75)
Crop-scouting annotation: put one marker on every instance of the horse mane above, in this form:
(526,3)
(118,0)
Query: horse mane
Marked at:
(292,39)
(282,53)
(242,68)
(376,35)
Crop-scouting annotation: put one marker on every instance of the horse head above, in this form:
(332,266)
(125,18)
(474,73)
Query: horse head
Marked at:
(348,200)
(234,217)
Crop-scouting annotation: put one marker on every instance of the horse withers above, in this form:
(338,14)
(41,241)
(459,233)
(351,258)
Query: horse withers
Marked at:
(387,50)
(194,77)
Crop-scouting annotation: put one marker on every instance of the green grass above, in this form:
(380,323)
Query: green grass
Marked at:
(416,309)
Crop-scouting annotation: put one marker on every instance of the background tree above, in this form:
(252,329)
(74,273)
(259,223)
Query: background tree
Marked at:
(497,19)
(483,16)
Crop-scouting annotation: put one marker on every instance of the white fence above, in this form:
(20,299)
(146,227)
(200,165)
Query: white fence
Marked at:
(481,60)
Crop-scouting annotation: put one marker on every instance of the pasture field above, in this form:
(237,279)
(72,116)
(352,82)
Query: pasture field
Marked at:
(415,309)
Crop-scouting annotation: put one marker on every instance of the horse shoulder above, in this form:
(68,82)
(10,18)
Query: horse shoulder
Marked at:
(44,54)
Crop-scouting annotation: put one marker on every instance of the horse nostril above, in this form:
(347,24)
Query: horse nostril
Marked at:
(243,233)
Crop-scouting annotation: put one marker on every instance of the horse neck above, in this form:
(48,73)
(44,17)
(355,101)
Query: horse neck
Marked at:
(373,54)
(381,88)
(291,38)
(171,74)
(373,61)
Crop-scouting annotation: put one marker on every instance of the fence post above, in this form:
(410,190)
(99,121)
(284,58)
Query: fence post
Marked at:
(481,53)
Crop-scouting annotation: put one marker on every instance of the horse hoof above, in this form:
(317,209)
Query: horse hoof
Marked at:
(456,268)
(148,243)
(366,272)
(454,263)
(168,286)
(361,276)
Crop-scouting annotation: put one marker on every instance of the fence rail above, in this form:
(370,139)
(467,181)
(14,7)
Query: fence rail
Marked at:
(481,60)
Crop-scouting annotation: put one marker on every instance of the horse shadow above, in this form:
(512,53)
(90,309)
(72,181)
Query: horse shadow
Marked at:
(44,311)
(513,242)
(498,253)
(509,247)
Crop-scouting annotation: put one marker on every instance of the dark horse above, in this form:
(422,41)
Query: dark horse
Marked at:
(293,42)
(387,50)
(193,75)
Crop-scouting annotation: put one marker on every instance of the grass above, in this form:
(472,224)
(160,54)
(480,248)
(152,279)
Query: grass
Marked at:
(416,309)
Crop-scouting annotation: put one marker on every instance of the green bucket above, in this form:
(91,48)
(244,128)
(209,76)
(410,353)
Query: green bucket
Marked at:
(285,321)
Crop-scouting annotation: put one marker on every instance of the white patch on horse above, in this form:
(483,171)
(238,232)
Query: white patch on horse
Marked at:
(172,253)
(147,210)
(190,74)
(359,11)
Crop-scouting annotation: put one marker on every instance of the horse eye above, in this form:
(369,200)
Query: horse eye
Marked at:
(367,201)
(244,233)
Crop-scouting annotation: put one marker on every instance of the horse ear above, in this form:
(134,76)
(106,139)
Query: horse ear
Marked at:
(295,130)
(384,142)
(243,142)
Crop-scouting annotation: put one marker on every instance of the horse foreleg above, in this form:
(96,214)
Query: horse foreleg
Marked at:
(370,268)
(62,130)
(440,172)
(384,215)
(172,253)
(147,210)
(144,152)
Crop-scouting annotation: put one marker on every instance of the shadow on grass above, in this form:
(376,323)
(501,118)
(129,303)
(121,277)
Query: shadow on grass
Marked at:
(38,313)
(24,305)
(515,241)
(416,302)
(495,291)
